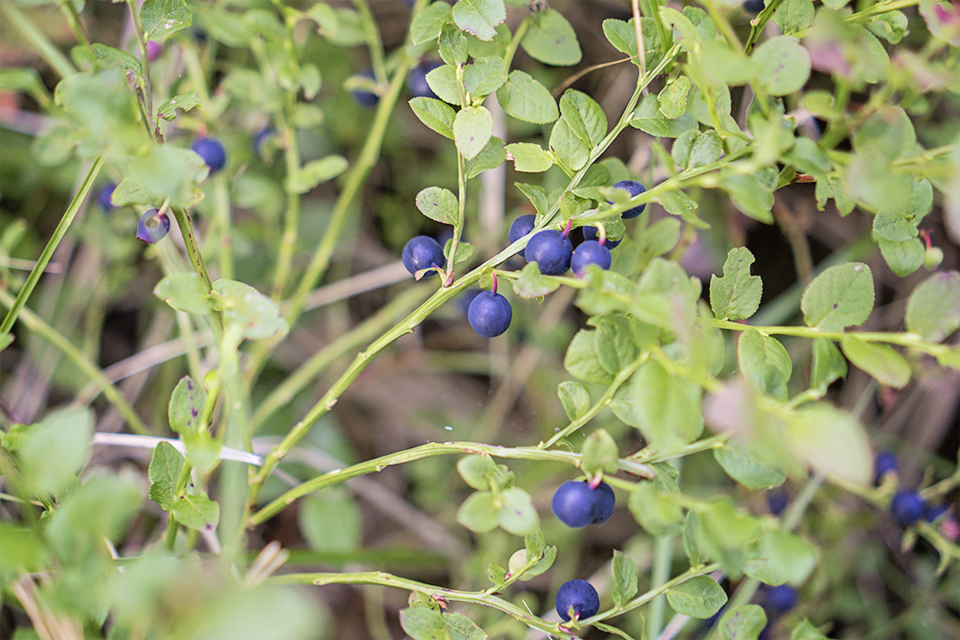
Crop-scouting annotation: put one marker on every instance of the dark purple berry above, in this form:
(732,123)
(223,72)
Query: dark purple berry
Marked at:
(260,138)
(885,462)
(521,227)
(422,252)
(366,98)
(417,80)
(776,502)
(935,512)
(907,507)
(103,197)
(489,314)
(590,252)
(466,298)
(211,151)
(153,226)
(634,188)
(576,504)
(605,501)
(551,250)
(581,596)
(592,233)
(780,599)
(753,6)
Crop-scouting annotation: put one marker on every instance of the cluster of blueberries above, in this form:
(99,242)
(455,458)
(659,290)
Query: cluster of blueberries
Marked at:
(489,312)
(153,226)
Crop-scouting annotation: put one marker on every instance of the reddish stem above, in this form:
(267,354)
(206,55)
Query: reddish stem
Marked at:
(494,289)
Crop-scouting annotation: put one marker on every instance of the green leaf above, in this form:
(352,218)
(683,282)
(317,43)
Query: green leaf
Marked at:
(490,157)
(426,25)
(742,465)
(648,118)
(341,27)
(624,579)
(528,157)
(571,150)
(551,40)
(160,18)
(97,510)
(839,297)
(828,365)
(746,621)
(472,129)
(422,623)
(615,346)
(933,309)
(727,527)
(438,204)
(479,17)
(536,195)
(764,362)
(736,296)
(777,557)
(525,99)
(784,65)
(479,512)
(163,172)
(750,196)
(184,102)
(314,172)
(331,521)
(464,252)
(666,408)
(24,550)
(806,156)
(435,114)
(793,16)
(443,82)
(116,57)
(695,149)
(692,538)
(673,97)
(186,406)
(581,359)
(484,76)
(453,46)
(183,292)
(903,258)
(531,284)
(699,597)
(203,452)
(257,315)
(196,511)
(584,117)
(834,443)
(575,399)
(460,627)
(891,26)
(658,512)
(623,36)
(479,471)
(879,360)
(518,515)
(600,453)
(806,631)
(163,472)
(52,451)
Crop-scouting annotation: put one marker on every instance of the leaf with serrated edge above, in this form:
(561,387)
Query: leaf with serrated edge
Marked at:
(438,204)
(839,297)
(196,511)
(436,114)
(933,309)
(551,40)
(699,597)
(472,129)
(736,296)
(164,470)
(525,99)
(479,17)
(879,360)
(624,579)
(529,158)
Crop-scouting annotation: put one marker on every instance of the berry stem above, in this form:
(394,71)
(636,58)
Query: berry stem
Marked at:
(601,234)
(493,289)
(567,227)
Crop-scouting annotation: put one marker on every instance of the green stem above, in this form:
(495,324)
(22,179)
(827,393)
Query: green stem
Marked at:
(757,25)
(57,61)
(144,63)
(54,241)
(34,323)
(428,451)
(291,219)
(193,249)
(374,43)
(515,41)
(662,561)
(73,19)
(222,208)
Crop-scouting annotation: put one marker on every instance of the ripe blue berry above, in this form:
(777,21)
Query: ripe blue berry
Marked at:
(576,504)
(422,252)
(776,502)
(932,513)
(211,151)
(489,314)
(466,298)
(885,462)
(417,80)
(551,250)
(581,596)
(521,227)
(780,599)
(592,233)
(103,197)
(753,6)
(634,188)
(907,507)
(590,252)
(366,98)
(153,226)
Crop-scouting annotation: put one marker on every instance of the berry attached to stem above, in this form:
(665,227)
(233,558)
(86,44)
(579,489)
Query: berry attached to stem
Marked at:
(551,250)
(633,188)
(153,226)
(580,596)
(422,252)
(490,314)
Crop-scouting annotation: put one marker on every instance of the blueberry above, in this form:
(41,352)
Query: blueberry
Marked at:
(154,49)
(576,504)
(634,188)
(605,501)
(753,6)
(780,599)
(885,462)
(422,252)
(489,314)
(590,252)
(932,513)
(153,226)
(260,138)
(103,197)
(776,502)
(466,298)
(211,151)
(417,80)
(592,233)
(551,250)
(581,596)
(907,507)
(366,98)
(521,227)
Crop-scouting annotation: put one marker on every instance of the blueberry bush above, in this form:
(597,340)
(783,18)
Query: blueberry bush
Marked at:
(234,399)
